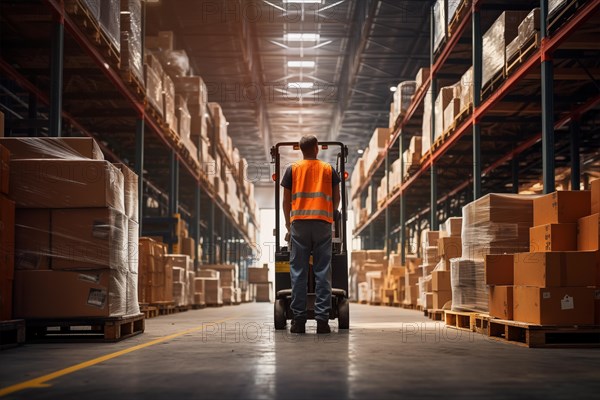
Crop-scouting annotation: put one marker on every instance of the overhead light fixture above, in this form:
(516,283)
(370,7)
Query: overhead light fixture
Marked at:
(300,85)
(301,64)
(360,151)
(302,37)
(303,1)
(393,88)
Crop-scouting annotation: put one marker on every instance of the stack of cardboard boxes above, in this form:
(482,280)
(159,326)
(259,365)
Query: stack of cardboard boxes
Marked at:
(449,247)
(208,286)
(7,238)
(228,282)
(156,275)
(494,224)
(258,278)
(76,230)
(411,280)
(393,287)
(553,283)
(180,265)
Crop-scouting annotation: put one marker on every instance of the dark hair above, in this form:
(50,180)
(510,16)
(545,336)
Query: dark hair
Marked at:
(308,144)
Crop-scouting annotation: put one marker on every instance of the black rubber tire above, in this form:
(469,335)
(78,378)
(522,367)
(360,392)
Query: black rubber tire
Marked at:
(279,314)
(343,314)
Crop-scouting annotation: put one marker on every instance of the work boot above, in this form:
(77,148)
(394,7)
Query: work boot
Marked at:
(323,327)
(298,326)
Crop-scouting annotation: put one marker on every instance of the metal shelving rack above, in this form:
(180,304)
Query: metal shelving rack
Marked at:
(134,134)
(418,197)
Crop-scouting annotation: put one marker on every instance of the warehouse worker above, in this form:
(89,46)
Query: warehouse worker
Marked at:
(311,194)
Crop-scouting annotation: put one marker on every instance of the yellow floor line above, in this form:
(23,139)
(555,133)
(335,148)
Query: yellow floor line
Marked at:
(42,380)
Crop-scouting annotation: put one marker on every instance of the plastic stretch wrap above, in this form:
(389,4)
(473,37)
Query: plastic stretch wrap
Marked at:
(425,291)
(220,121)
(110,21)
(426,131)
(154,90)
(440,23)
(553,5)
(452,7)
(169,101)
(132,302)
(529,26)
(131,37)
(469,291)
(466,89)
(175,62)
(183,117)
(93,7)
(194,90)
(503,31)
(496,224)
(403,96)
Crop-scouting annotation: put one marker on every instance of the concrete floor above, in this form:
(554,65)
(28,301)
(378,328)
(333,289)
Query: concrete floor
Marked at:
(233,352)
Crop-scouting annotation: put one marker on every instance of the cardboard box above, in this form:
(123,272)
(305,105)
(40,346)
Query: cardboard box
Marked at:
(213,293)
(188,247)
(561,207)
(67,148)
(449,247)
(32,238)
(501,302)
(132,303)
(553,237)
(451,228)
(259,275)
(66,184)
(595,196)
(499,269)
(554,306)
(130,192)
(69,294)
(179,274)
(133,236)
(194,90)
(554,269)
(440,298)
(588,233)
(4,169)
(263,292)
(89,238)
(178,261)
(440,281)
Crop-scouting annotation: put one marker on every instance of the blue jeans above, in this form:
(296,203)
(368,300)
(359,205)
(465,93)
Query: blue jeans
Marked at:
(310,236)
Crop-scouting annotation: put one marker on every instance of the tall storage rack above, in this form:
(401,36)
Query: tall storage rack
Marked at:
(499,143)
(60,72)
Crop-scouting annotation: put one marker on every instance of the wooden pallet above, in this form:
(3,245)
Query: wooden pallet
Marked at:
(524,52)
(183,308)
(460,320)
(165,307)
(214,305)
(481,323)
(363,302)
(532,335)
(135,84)
(149,312)
(493,84)
(463,9)
(12,333)
(155,114)
(374,303)
(198,306)
(408,306)
(111,329)
(436,315)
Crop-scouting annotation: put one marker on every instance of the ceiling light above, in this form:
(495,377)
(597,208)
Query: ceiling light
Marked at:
(302,1)
(300,85)
(301,64)
(393,88)
(360,151)
(302,37)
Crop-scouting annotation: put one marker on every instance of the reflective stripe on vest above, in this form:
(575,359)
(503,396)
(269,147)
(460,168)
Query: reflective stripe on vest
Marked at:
(312,191)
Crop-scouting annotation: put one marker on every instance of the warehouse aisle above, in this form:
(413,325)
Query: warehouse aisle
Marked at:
(233,352)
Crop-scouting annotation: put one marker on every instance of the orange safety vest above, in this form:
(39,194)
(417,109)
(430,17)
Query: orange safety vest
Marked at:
(312,191)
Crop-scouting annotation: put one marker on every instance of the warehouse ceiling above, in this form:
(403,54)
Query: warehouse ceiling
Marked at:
(281,69)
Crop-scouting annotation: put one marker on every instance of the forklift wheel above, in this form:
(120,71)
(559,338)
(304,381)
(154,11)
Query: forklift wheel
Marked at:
(343,313)
(280,320)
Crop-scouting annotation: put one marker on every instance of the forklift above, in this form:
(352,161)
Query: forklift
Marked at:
(340,306)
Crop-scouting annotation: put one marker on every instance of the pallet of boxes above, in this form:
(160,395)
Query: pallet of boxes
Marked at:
(413,272)
(449,247)
(12,331)
(370,277)
(260,287)
(548,296)
(76,233)
(495,224)
(217,285)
